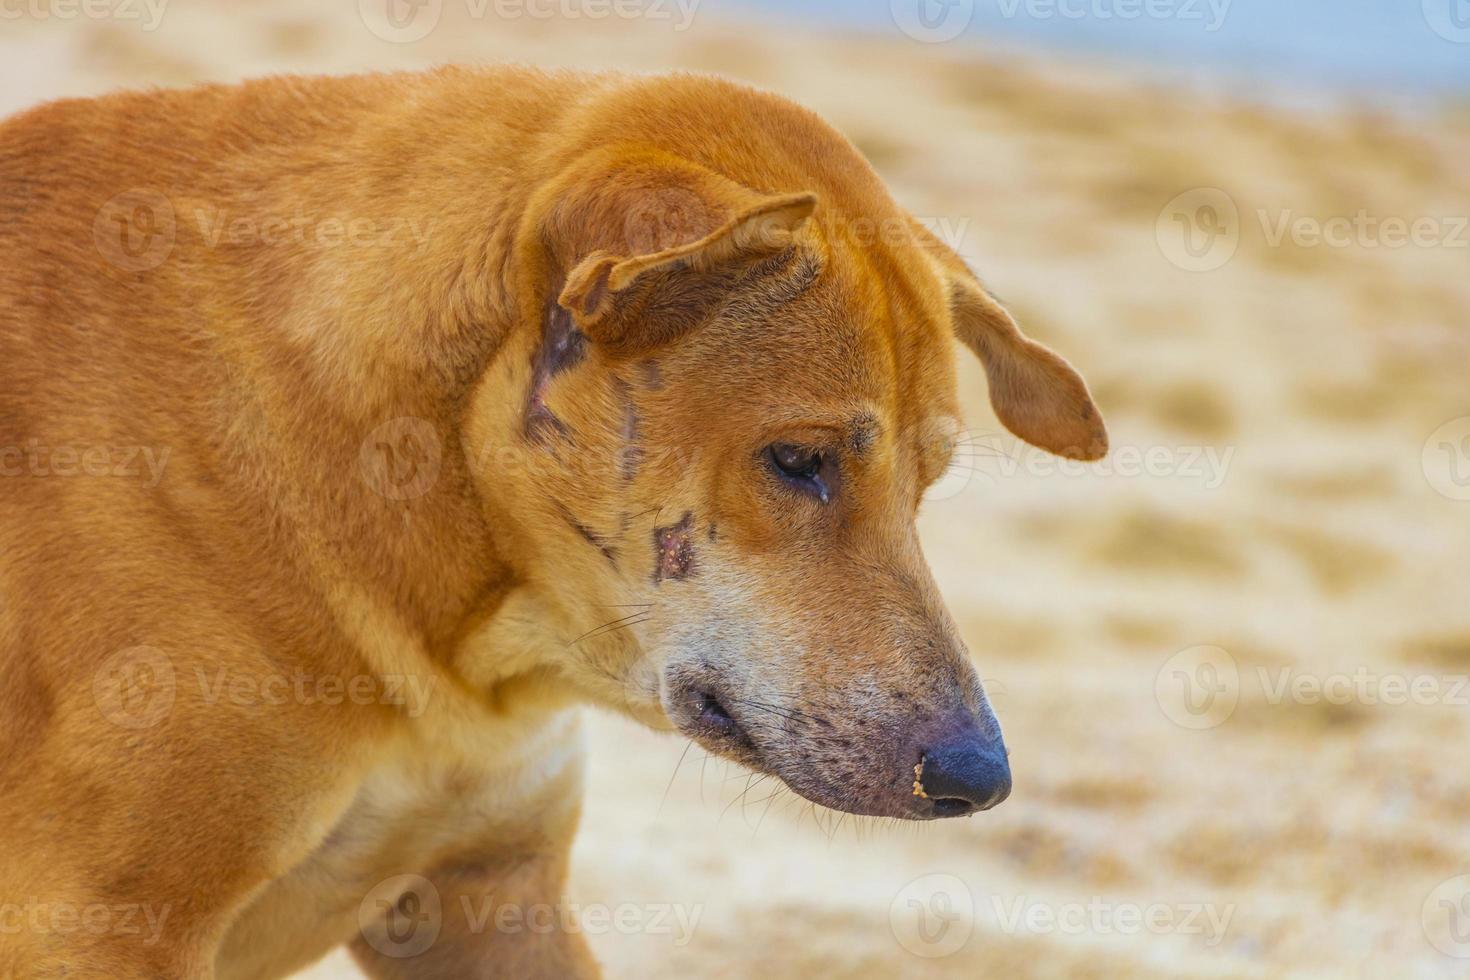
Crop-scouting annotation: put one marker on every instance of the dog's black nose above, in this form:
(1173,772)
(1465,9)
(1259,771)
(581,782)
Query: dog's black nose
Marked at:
(966,773)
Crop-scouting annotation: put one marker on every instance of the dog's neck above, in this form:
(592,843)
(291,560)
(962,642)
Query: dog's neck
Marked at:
(340,442)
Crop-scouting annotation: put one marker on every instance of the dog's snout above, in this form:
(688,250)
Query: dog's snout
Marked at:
(965,773)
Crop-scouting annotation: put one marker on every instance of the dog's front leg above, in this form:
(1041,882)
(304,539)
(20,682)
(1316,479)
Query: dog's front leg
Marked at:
(488,911)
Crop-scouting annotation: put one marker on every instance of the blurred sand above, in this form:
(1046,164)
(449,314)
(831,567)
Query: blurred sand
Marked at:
(1323,550)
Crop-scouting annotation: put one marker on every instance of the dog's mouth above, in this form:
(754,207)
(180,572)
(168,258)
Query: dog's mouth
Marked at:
(715,727)
(882,775)
(720,723)
(758,738)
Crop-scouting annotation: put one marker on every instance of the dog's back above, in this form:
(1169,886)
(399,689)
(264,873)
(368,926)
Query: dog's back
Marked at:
(204,283)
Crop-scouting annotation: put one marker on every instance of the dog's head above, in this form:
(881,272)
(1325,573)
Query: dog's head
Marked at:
(718,441)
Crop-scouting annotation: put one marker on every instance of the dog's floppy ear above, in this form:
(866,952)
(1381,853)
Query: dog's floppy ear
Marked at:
(1036,394)
(650,242)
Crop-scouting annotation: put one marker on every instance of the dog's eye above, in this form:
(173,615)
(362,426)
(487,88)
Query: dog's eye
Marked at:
(801,467)
(796,461)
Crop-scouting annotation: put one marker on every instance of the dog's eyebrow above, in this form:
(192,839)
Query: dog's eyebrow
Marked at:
(862,432)
(855,428)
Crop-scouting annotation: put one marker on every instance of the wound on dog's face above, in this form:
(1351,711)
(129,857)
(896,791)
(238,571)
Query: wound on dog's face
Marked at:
(588,535)
(562,347)
(630,456)
(653,377)
(673,548)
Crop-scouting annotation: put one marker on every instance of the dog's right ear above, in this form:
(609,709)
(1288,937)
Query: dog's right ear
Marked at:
(1035,393)
(649,243)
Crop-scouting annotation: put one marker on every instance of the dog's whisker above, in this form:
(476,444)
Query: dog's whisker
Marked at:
(632,619)
(689,744)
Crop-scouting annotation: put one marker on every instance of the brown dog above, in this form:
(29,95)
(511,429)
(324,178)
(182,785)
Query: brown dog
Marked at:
(355,430)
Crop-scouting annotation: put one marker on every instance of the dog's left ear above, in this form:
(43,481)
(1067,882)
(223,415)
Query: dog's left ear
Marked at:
(651,243)
(1036,394)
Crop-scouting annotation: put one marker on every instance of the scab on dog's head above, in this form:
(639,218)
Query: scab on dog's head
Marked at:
(726,421)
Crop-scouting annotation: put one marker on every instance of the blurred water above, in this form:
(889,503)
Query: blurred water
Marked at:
(1389,47)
